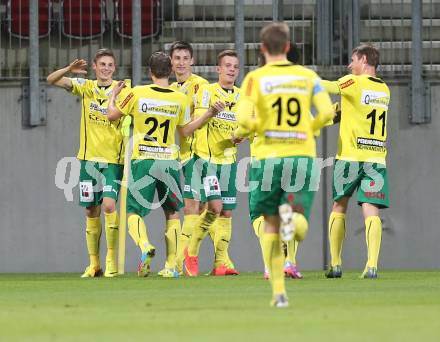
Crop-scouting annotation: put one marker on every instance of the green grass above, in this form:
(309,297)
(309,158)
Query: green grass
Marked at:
(400,306)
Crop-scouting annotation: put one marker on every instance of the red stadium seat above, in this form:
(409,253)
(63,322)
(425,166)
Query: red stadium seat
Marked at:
(150,17)
(18,18)
(83,18)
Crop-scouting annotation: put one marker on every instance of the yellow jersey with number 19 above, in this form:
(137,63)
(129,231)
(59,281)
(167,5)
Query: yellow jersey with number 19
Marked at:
(156,112)
(100,139)
(282,95)
(363,127)
(214,139)
(189,88)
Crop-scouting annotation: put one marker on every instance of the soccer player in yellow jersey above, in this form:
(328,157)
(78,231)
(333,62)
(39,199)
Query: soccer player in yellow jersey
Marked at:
(100,153)
(157,111)
(181,54)
(276,104)
(360,160)
(214,167)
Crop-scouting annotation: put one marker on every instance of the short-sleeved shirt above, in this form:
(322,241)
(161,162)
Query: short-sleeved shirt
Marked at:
(282,95)
(100,139)
(363,127)
(189,88)
(156,112)
(213,139)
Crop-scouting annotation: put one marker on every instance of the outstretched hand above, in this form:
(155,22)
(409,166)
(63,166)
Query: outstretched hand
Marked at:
(217,108)
(78,66)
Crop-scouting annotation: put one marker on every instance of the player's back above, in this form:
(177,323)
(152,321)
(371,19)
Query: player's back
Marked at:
(363,128)
(283,95)
(156,113)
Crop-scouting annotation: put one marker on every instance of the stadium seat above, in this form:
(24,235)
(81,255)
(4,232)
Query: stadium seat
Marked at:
(150,18)
(83,18)
(18,18)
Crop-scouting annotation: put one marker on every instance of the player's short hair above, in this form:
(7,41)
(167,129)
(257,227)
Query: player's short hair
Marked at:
(181,45)
(224,53)
(274,37)
(103,52)
(370,52)
(160,64)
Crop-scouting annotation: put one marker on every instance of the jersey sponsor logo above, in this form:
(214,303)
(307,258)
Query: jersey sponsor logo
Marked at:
(97,108)
(229,116)
(288,84)
(86,191)
(206,97)
(375,98)
(154,149)
(371,144)
(286,135)
(222,126)
(126,100)
(211,186)
(98,120)
(346,84)
(158,107)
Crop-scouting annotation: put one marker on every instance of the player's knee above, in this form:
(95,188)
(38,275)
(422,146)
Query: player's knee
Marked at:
(93,211)
(109,206)
(340,206)
(191,207)
(215,207)
(226,213)
(301,226)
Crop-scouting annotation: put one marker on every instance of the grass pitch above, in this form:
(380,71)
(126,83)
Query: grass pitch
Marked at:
(400,306)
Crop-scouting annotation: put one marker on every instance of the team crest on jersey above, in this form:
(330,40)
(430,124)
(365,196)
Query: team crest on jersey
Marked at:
(196,88)
(375,98)
(346,84)
(230,104)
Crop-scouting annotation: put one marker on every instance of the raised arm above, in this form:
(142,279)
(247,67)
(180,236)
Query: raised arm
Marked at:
(78,66)
(190,127)
(331,87)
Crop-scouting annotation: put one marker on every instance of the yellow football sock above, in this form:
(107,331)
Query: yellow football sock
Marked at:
(373,237)
(301,227)
(274,255)
(336,233)
(93,235)
(138,231)
(111,234)
(292,249)
(171,233)
(201,229)
(258,226)
(189,222)
(222,238)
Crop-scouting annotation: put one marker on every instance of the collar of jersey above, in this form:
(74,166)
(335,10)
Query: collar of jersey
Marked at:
(285,62)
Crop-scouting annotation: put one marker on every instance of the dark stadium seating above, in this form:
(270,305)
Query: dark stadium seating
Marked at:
(18,18)
(150,17)
(83,18)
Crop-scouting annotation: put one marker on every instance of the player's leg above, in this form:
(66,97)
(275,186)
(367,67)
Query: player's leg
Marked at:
(90,199)
(93,235)
(111,186)
(170,195)
(223,225)
(265,200)
(273,253)
(139,200)
(212,193)
(346,177)
(290,265)
(373,194)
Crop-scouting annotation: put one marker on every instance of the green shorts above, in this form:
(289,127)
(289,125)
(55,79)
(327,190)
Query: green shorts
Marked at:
(282,180)
(369,179)
(205,181)
(98,180)
(147,176)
